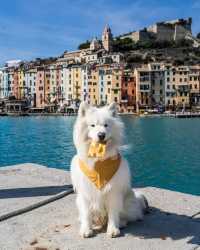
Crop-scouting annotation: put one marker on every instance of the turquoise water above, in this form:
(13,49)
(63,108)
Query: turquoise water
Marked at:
(162,152)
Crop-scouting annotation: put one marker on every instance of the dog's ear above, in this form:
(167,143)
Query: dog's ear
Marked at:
(84,106)
(113,108)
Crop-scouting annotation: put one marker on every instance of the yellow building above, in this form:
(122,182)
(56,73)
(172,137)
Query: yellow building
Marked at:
(93,91)
(116,85)
(181,80)
(21,83)
(194,83)
(75,79)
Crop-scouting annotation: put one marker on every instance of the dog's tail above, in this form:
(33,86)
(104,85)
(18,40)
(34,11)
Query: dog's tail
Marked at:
(136,205)
(144,202)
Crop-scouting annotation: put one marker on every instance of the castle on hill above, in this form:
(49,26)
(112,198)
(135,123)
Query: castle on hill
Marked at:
(173,30)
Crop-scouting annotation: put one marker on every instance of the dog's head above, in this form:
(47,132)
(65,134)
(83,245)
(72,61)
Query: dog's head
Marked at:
(98,125)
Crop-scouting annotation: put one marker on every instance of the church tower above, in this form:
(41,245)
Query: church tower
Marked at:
(107,39)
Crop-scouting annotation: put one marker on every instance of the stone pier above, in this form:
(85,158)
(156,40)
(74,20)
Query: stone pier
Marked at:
(173,222)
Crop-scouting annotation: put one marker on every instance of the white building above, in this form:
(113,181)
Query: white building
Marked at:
(30,82)
(5,88)
(102,86)
(170,87)
(1,84)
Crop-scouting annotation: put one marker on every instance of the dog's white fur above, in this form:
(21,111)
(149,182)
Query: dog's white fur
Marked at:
(116,201)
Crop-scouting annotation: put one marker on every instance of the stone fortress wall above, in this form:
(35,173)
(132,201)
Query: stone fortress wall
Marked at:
(163,31)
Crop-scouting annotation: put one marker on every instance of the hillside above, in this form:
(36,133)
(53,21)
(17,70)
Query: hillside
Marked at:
(178,53)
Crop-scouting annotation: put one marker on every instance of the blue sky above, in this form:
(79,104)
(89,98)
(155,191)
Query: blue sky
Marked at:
(42,28)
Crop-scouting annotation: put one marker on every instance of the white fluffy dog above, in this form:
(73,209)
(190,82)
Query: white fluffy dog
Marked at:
(116,203)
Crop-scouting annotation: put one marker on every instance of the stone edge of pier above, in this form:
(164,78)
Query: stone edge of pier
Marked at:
(173,222)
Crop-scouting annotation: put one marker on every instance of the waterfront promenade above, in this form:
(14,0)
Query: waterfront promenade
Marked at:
(173,221)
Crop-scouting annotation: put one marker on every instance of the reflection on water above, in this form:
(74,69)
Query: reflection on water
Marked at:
(162,152)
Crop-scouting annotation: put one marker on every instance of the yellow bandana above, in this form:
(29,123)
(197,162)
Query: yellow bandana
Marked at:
(103,170)
(97,149)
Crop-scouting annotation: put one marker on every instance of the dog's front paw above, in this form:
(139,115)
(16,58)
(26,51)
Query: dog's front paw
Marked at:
(113,232)
(86,232)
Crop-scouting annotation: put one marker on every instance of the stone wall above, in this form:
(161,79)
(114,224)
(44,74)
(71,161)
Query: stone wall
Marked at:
(180,32)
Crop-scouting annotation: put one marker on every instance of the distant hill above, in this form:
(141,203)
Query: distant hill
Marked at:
(176,52)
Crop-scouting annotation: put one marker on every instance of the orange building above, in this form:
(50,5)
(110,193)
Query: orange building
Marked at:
(128,92)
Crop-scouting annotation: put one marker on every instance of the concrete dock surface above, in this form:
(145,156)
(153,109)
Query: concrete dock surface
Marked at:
(173,222)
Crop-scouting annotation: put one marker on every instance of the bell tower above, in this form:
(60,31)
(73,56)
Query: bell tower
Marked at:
(107,38)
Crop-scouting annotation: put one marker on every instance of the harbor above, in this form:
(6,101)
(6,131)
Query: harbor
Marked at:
(153,145)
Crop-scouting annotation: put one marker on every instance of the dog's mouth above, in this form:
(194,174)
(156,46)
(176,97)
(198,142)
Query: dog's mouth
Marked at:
(98,148)
(104,142)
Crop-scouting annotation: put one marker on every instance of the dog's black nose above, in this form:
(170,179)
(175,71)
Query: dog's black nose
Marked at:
(101,136)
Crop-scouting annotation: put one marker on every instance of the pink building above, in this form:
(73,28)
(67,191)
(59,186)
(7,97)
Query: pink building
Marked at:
(40,87)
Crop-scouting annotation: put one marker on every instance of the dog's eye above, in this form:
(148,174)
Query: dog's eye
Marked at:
(105,125)
(93,125)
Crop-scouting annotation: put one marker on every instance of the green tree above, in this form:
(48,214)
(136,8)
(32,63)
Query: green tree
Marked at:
(123,45)
(84,45)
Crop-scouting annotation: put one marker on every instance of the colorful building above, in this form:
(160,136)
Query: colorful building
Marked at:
(128,92)
(30,80)
(170,87)
(1,84)
(181,80)
(194,83)
(40,87)
(22,88)
(150,86)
